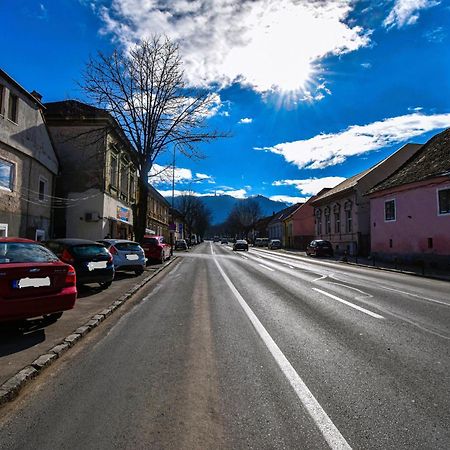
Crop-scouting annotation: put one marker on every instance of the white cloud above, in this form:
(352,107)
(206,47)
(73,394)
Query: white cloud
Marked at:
(288,199)
(204,177)
(366,65)
(326,150)
(264,44)
(163,175)
(237,193)
(245,120)
(406,12)
(311,186)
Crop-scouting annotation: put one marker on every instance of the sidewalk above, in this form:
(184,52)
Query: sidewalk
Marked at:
(417,270)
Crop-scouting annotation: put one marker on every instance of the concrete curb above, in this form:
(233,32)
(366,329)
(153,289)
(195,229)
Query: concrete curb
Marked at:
(11,388)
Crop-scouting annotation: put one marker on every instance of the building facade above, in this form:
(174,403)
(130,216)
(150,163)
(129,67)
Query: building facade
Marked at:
(158,214)
(410,210)
(98,177)
(276,227)
(342,214)
(28,163)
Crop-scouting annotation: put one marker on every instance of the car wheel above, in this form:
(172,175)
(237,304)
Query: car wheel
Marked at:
(50,318)
(161,257)
(105,284)
(139,271)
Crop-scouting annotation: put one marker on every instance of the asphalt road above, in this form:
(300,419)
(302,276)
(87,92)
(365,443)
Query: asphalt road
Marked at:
(253,350)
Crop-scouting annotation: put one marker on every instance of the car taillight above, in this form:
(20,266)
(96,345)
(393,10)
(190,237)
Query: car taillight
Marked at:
(71,277)
(113,250)
(110,258)
(67,257)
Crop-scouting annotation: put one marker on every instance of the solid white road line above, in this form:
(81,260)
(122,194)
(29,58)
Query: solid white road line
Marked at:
(329,431)
(265,267)
(345,302)
(321,278)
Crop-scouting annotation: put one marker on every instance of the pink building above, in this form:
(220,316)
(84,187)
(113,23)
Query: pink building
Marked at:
(410,210)
(299,225)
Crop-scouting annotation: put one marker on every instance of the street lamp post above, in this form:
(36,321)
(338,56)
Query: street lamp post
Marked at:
(172,221)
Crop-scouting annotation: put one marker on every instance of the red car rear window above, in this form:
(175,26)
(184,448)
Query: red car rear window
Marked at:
(151,241)
(21,252)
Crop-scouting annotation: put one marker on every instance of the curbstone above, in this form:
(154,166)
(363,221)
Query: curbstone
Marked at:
(72,338)
(99,317)
(83,330)
(92,323)
(10,389)
(106,312)
(60,348)
(44,361)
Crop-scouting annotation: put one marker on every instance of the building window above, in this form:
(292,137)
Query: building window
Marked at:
(389,210)
(2,94)
(319,225)
(124,180)
(132,188)
(6,174)
(13,107)
(42,189)
(444,201)
(349,221)
(3,230)
(113,172)
(430,242)
(337,223)
(327,224)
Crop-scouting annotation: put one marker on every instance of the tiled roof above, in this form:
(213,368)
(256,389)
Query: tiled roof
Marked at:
(74,109)
(281,215)
(432,160)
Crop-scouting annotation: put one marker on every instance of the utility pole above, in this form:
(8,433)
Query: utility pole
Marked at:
(172,227)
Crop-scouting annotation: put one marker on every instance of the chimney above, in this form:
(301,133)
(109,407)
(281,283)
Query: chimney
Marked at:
(37,96)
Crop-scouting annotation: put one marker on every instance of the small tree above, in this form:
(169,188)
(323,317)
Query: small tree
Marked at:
(144,91)
(243,216)
(197,216)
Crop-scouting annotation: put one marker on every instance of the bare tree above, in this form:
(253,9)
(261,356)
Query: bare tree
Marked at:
(197,216)
(243,217)
(144,90)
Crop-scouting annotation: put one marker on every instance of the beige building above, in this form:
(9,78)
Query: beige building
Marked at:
(158,214)
(98,178)
(28,163)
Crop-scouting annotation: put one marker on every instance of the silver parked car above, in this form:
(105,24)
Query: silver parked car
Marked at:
(274,244)
(127,255)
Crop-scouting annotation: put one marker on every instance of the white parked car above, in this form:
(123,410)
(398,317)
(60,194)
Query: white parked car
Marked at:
(127,255)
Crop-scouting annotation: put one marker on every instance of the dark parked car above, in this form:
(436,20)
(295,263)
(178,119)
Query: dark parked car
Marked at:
(181,244)
(261,242)
(127,255)
(319,248)
(92,261)
(155,248)
(240,244)
(33,281)
(224,241)
(274,244)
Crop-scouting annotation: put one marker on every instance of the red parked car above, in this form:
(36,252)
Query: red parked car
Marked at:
(156,248)
(33,281)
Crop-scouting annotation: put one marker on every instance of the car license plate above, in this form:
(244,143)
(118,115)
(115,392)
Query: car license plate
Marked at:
(96,265)
(132,257)
(31,282)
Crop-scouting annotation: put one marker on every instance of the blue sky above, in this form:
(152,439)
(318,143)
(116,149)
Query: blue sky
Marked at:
(311,91)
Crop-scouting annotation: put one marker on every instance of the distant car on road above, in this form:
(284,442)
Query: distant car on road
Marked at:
(216,239)
(155,248)
(274,244)
(261,242)
(92,261)
(240,244)
(224,241)
(319,247)
(33,281)
(127,255)
(181,244)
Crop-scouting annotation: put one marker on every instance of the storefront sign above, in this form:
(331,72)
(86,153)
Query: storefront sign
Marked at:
(123,214)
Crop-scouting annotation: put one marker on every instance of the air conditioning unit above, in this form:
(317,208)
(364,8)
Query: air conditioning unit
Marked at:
(92,217)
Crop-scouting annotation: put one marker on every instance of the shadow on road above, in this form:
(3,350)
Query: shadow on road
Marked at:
(18,336)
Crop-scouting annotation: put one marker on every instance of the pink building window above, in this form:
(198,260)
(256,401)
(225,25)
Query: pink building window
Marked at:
(444,201)
(389,211)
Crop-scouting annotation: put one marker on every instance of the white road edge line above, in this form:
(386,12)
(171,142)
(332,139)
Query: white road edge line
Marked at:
(328,429)
(265,267)
(345,302)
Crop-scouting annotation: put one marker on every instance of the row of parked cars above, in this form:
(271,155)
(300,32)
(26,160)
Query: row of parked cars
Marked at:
(41,278)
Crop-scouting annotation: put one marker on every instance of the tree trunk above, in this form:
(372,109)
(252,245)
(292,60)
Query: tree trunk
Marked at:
(140,218)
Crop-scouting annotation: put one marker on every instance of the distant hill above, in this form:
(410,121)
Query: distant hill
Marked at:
(221,205)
